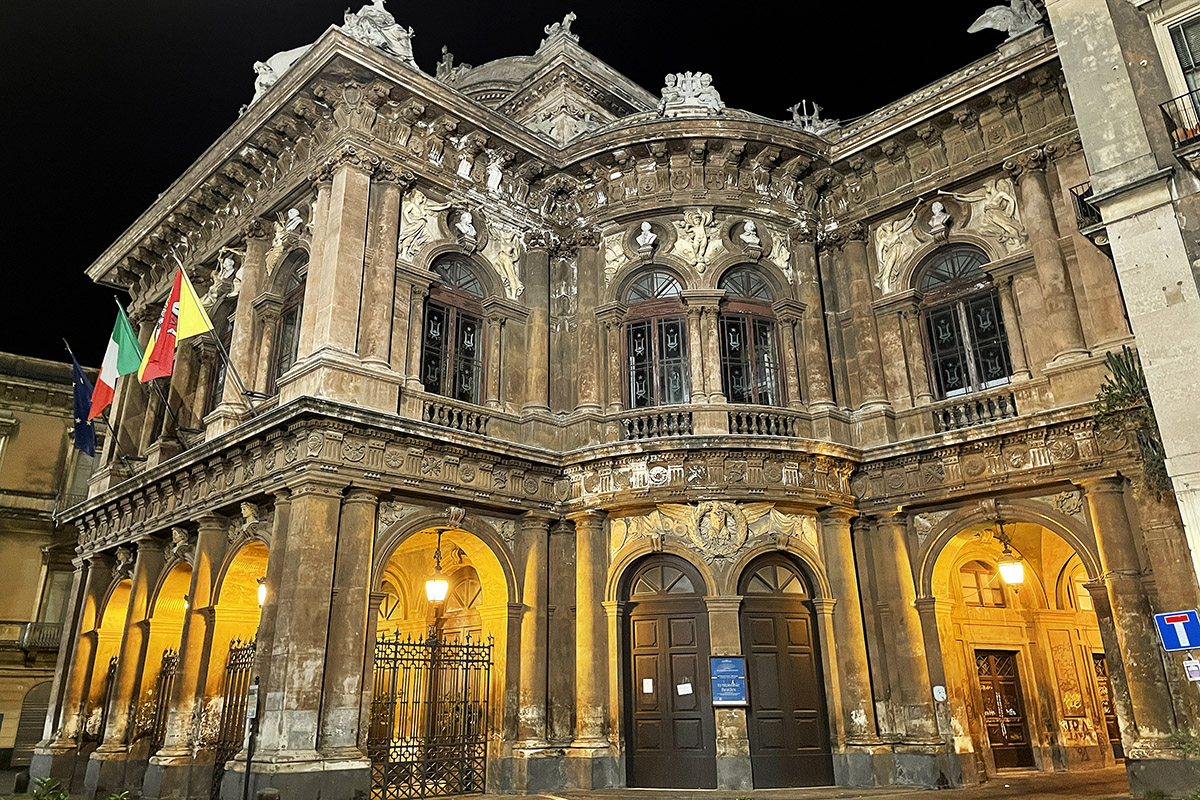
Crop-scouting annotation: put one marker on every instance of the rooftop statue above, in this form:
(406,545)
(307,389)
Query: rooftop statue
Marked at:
(811,122)
(689,93)
(560,29)
(1020,16)
(270,71)
(374,26)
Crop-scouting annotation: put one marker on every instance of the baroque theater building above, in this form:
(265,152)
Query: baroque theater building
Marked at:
(667,393)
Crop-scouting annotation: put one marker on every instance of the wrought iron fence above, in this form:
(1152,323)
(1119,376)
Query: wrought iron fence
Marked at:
(1183,118)
(162,698)
(234,689)
(429,717)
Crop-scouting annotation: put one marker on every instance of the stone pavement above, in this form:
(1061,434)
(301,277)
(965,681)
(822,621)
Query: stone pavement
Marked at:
(1105,784)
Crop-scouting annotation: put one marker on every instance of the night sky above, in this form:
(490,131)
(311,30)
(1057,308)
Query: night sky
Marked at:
(108,101)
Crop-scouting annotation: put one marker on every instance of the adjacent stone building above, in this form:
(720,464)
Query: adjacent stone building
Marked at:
(40,474)
(662,390)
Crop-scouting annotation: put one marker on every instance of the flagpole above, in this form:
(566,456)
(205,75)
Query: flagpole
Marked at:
(115,439)
(162,394)
(246,393)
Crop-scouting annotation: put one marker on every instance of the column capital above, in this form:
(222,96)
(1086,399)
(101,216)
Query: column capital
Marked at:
(361,494)
(831,241)
(592,518)
(837,514)
(731,603)
(1099,485)
(536,519)
(1031,161)
(390,173)
(256,228)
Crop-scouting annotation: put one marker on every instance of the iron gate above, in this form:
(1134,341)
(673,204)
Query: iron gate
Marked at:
(162,698)
(429,717)
(235,688)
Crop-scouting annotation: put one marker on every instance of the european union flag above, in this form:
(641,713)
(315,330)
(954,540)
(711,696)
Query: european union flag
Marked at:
(85,431)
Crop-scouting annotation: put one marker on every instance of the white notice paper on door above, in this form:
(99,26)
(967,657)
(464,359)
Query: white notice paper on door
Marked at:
(647,685)
(683,688)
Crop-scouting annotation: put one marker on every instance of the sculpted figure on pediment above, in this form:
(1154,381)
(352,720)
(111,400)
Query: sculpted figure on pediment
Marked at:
(698,239)
(689,93)
(994,213)
(614,255)
(895,242)
(374,26)
(267,73)
(504,252)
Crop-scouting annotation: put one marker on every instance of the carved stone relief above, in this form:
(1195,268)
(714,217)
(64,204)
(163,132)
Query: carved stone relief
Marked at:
(699,241)
(418,223)
(716,530)
(504,252)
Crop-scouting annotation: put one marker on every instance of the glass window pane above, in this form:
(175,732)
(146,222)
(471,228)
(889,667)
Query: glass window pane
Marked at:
(952,264)
(766,365)
(990,345)
(745,282)
(946,351)
(641,360)
(735,360)
(672,361)
(468,360)
(433,348)
(455,272)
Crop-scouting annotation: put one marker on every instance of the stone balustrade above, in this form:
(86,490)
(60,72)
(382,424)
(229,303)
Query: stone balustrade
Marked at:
(974,409)
(656,422)
(459,416)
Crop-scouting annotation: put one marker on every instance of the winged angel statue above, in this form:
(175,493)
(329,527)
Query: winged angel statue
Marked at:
(1018,17)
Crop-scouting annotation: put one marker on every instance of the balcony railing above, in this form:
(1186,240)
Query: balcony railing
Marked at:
(1183,119)
(972,410)
(1086,214)
(761,422)
(460,417)
(28,636)
(656,422)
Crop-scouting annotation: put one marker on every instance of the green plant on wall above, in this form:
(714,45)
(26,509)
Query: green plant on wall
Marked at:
(1123,403)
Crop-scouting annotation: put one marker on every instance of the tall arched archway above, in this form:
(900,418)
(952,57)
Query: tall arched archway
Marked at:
(1021,663)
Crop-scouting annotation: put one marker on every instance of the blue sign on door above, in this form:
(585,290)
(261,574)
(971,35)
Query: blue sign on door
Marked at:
(728,680)
(1179,630)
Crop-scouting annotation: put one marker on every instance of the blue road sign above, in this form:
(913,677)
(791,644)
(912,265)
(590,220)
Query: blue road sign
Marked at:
(1179,630)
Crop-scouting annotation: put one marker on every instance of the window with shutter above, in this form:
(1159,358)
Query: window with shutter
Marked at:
(1186,38)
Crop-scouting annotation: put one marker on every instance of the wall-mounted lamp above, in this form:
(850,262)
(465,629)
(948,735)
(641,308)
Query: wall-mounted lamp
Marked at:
(436,585)
(262,591)
(187,602)
(1012,569)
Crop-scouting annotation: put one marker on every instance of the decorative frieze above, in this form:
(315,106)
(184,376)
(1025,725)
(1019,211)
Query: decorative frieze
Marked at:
(718,531)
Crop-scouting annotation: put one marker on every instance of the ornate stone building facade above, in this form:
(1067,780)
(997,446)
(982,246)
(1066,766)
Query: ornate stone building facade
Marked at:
(652,381)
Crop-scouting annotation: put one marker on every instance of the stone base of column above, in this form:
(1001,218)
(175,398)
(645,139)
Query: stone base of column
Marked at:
(733,772)
(712,422)
(864,765)
(830,423)
(163,450)
(532,770)
(106,477)
(105,773)
(342,377)
(594,767)
(933,766)
(1162,777)
(323,778)
(225,417)
(62,762)
(178,777)
(875,424)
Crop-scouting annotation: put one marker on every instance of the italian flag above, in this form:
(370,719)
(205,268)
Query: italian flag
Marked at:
(121,358)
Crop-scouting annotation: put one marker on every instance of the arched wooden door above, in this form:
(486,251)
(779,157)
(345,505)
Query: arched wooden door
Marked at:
(671,729)
(788,724)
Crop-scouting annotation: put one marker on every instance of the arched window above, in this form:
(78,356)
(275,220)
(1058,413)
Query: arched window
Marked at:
(968,350)
(981,585)
(452,340)
(222,320)
(287,338)
(656,346)
(749,345)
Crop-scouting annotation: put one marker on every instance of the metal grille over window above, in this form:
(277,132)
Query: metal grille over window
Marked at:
(968,347)
(656,342)
(749,344)
(452,340)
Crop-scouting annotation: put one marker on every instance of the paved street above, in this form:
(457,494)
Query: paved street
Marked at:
(1107,784)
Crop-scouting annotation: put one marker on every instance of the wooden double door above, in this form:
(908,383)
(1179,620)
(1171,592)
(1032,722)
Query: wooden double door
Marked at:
(1003,709)
(668,700)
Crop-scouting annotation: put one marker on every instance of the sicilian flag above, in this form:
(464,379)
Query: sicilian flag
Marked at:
(85,430)
(182,316)
(122,357)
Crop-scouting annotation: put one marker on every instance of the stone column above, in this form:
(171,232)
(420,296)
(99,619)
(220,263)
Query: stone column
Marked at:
(106,769)
(918,367)
(866,337)
(334,284)
(266,313)
(179,392)
(787,318)
(1154,713)
(170,767)
(206,362)
(269,613)
(495,330)
(894,574)
(536,269)
(289,721)
(560,690)
(590,268)
(733,738)
(591,640)
(1012,328)
(1037,212)
(816,349)
(401,311)
(533,533)
(416,331)
(699,393)
(616,375)
(348,627)
(379,279)
(68,644)
(854,670)
(709,328)
(241,344)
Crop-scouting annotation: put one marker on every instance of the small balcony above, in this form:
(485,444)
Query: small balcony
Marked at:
(1182,116)
(1087,216)
(29,636)
(652,423)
